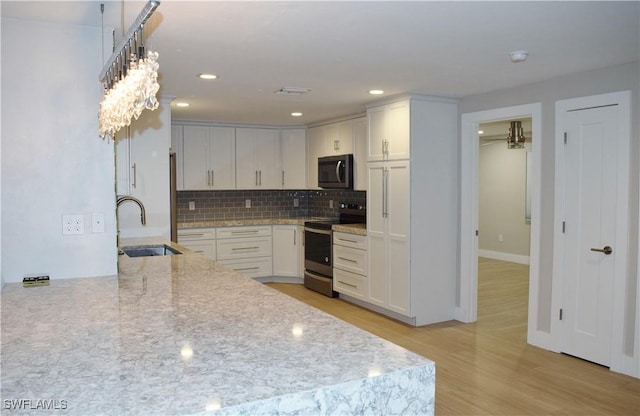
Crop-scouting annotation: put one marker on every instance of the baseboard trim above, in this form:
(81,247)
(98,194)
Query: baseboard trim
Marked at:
(499,255)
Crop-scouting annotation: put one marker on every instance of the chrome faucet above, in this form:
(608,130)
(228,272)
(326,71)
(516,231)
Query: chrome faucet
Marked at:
(125,198)
(143,214)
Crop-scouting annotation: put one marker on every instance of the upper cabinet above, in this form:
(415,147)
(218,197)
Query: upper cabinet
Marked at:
(258,163)
(338,138)
(208,157)
(293,143)
(389,131)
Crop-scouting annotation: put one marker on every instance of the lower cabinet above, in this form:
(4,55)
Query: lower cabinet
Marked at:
(350,264)
(287,250)
(246,249)
(200,240)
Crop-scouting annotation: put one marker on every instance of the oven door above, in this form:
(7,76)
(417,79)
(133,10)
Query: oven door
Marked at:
(318,251)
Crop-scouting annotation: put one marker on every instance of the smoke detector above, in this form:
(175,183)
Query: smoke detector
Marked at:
(518,56)
(292,91)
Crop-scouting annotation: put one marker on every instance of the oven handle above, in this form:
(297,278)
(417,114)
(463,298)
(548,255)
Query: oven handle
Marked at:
(313,230)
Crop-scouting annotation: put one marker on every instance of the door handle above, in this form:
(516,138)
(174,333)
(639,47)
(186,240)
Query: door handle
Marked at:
(606,250)
(338,171)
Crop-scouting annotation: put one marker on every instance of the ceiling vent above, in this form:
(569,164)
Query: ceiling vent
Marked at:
(292,91)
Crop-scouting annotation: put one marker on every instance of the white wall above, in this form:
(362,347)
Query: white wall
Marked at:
(53,161)
(501,202)
(606,80)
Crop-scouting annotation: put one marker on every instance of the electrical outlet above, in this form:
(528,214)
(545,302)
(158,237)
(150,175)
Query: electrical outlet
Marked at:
(500,238)
(331,203)
(192,205)
(296,202)
(72,224)
(247,203)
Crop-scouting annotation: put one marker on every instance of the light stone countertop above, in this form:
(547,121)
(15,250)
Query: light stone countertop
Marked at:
(242,222)
(181,335)
(359,229)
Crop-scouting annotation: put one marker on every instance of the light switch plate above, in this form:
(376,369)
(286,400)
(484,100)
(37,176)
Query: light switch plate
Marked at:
(192,205)
(97,222)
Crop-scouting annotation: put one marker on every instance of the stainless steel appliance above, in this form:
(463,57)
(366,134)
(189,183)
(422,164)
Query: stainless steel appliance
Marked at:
(318,247)
(335,172)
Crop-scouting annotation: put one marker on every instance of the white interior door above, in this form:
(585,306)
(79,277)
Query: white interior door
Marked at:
(591,195)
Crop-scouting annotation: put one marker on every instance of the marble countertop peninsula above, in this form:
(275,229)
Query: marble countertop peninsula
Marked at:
(183,335)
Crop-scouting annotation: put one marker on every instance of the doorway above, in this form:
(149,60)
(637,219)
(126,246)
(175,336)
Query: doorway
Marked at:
(469,210)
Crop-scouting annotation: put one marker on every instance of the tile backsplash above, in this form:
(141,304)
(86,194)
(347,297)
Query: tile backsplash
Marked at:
(226,205)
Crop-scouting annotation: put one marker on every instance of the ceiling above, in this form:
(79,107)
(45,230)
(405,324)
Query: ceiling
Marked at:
(341,50)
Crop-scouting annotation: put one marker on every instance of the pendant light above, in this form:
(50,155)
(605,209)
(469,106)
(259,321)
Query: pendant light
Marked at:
(516,139)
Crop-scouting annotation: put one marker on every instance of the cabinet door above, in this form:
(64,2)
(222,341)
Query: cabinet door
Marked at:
(345,138)
(123,163)
(398,130)
(246,167)
(286,243)
(222,158)
(377,132)
(360,154)
(397,218)
(315,148)
(294,166)
(376,234)
(196,174)
(177,148)
(268,159)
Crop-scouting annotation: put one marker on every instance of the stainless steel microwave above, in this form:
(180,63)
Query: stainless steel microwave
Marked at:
(335,172)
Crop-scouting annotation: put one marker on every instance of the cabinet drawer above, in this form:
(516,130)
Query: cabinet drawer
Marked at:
(190,234)
(349,283)
(241,248)
(206,247)
(257,267)
(235,232)
(350,259)
(350,240)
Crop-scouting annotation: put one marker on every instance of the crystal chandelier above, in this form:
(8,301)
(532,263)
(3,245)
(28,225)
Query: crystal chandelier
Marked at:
(129,79)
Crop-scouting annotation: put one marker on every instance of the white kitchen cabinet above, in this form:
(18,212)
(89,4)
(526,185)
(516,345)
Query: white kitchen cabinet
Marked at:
(389,130)
(246,249)
(388,231)
(315,149)
(338,138)
(208,158)
(200,240)
(287,250)
(360,154)
(350,265)
(293,144)
(177,147)
(258,163)
(412,210)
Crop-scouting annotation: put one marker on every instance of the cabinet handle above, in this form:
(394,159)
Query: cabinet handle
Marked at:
(135,175)
(347,284)
(245,248)
(346,259)
(245,232)
(212,177)
(260,176)
(348,241)
(256,178)
(246,268)
(336,145)
(294,236)
(191,235)
(385,192)
(208,177)
(283,178)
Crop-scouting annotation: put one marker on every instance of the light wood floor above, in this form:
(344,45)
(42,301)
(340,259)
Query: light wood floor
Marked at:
(487,368)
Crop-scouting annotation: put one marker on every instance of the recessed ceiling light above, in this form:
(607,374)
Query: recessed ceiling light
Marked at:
(207,76)
(182,104)
(376,92)
(296,114)
(480,131)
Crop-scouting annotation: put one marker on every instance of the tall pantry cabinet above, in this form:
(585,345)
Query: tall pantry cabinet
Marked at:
(412,208)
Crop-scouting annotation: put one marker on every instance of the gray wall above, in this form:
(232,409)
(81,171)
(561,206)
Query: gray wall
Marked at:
(606,80)
(501,199)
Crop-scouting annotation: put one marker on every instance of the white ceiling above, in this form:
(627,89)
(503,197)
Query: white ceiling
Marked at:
(340,50)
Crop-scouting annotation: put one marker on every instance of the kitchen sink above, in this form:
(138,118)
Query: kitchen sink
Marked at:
(150,250)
